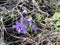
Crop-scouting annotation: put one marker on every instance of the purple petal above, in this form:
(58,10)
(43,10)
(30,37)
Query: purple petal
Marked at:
(30,19)
(34,28)
(17,28)
(23,20)
(19,31)
(30,24)
(23,29)
(14,26)
(20,27)
(17,23)
(24,11)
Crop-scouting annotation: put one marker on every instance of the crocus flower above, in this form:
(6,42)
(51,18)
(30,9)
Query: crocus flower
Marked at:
(33,27)
(24,10)
(23,20)
(30,21)
(20,27)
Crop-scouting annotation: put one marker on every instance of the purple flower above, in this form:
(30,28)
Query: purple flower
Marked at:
(33,27)
(30,21)
(23,20)
(24,10)
(20,27)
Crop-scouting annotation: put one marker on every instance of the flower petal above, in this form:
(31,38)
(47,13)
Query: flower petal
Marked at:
(17,23)
(20,27)
(30,19)
(23,20)
(19,31)
(34,28)
(14,26)
(24,11)
(23,29)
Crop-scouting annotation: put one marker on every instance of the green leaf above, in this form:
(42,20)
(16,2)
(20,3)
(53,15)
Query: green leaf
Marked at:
(6,14)
(58,23)
(57,29)
(39,1)
(56,15)
(38,16)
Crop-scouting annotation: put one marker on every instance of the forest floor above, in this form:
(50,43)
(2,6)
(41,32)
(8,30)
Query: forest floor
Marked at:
(43,28)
